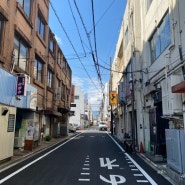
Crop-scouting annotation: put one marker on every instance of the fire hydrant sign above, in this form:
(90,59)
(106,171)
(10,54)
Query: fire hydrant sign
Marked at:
(21,86)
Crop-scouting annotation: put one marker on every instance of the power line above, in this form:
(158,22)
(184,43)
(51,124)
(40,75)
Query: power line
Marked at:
(88,37)
(77,27)
(71,43)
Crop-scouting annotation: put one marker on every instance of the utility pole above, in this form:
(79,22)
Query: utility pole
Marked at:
(110,89)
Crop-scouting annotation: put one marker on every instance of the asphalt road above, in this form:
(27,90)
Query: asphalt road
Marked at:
(89,158)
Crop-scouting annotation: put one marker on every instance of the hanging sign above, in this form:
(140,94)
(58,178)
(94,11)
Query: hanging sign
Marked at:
(21,86)
(113,98)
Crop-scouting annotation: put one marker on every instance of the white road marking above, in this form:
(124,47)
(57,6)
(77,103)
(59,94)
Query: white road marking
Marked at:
(83,179)
(85,168)
(134,162)
(131,165)
(142,181)
(85,173)
(134,169)
(138,175)
(86,164)
(41,157)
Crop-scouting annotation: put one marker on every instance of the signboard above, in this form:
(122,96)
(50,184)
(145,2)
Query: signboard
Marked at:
(21,86)
(113,98)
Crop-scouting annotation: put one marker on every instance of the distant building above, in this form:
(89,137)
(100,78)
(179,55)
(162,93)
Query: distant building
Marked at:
(77,108)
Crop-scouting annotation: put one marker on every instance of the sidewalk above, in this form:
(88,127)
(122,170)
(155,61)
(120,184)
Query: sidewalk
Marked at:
(162,168)
(21,154)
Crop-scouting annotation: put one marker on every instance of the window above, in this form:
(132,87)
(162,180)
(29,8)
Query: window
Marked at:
(41,26)
(51,45)
(126,37)
(11,121)
(77,97)
(161,38)
(38,70)
(63,91)
(59,57)
(20,53)
(49,81)
(26,4)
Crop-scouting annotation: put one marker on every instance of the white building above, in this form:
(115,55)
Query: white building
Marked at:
(150,54)
(77,108)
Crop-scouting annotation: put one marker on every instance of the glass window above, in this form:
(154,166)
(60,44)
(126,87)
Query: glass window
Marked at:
(40,26)
(26,5)
(51,45)
(49,81)
(161,38)
(59,58)
(20,53)
(38,70)
(77,97)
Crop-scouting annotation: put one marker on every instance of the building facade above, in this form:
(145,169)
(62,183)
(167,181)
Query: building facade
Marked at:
(150,57)
(78,108)
(36,78)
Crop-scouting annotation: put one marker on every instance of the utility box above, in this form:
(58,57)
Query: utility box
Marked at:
(175,146)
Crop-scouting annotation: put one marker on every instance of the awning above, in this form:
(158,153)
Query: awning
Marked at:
(51,112)
(179,88)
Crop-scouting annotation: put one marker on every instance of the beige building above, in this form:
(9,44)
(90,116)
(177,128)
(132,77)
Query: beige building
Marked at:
(150,54)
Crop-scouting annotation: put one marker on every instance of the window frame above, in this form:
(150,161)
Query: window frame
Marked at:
(49,78)
(26,6)
(20,57)
(39,64)
(41,25)
(157,42)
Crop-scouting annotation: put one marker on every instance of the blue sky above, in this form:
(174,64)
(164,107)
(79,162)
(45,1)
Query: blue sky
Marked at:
(73,28)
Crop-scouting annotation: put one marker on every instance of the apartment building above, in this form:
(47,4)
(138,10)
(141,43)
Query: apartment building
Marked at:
(35,76)
(151,50)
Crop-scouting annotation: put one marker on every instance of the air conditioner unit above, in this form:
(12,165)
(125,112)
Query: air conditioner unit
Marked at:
(19,142)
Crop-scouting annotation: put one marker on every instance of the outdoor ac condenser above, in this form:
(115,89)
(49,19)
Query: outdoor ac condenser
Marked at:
(18,142)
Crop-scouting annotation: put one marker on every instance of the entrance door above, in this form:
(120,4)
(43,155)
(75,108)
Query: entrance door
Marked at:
(157,130)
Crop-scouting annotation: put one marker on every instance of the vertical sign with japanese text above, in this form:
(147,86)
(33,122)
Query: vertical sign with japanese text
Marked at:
(21,86)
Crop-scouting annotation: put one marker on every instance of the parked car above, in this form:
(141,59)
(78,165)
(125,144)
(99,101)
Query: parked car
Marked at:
(102,125)
(72,127)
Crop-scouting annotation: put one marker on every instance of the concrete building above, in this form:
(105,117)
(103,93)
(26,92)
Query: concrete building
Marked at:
(35,77)
(78,108)
(150,55)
